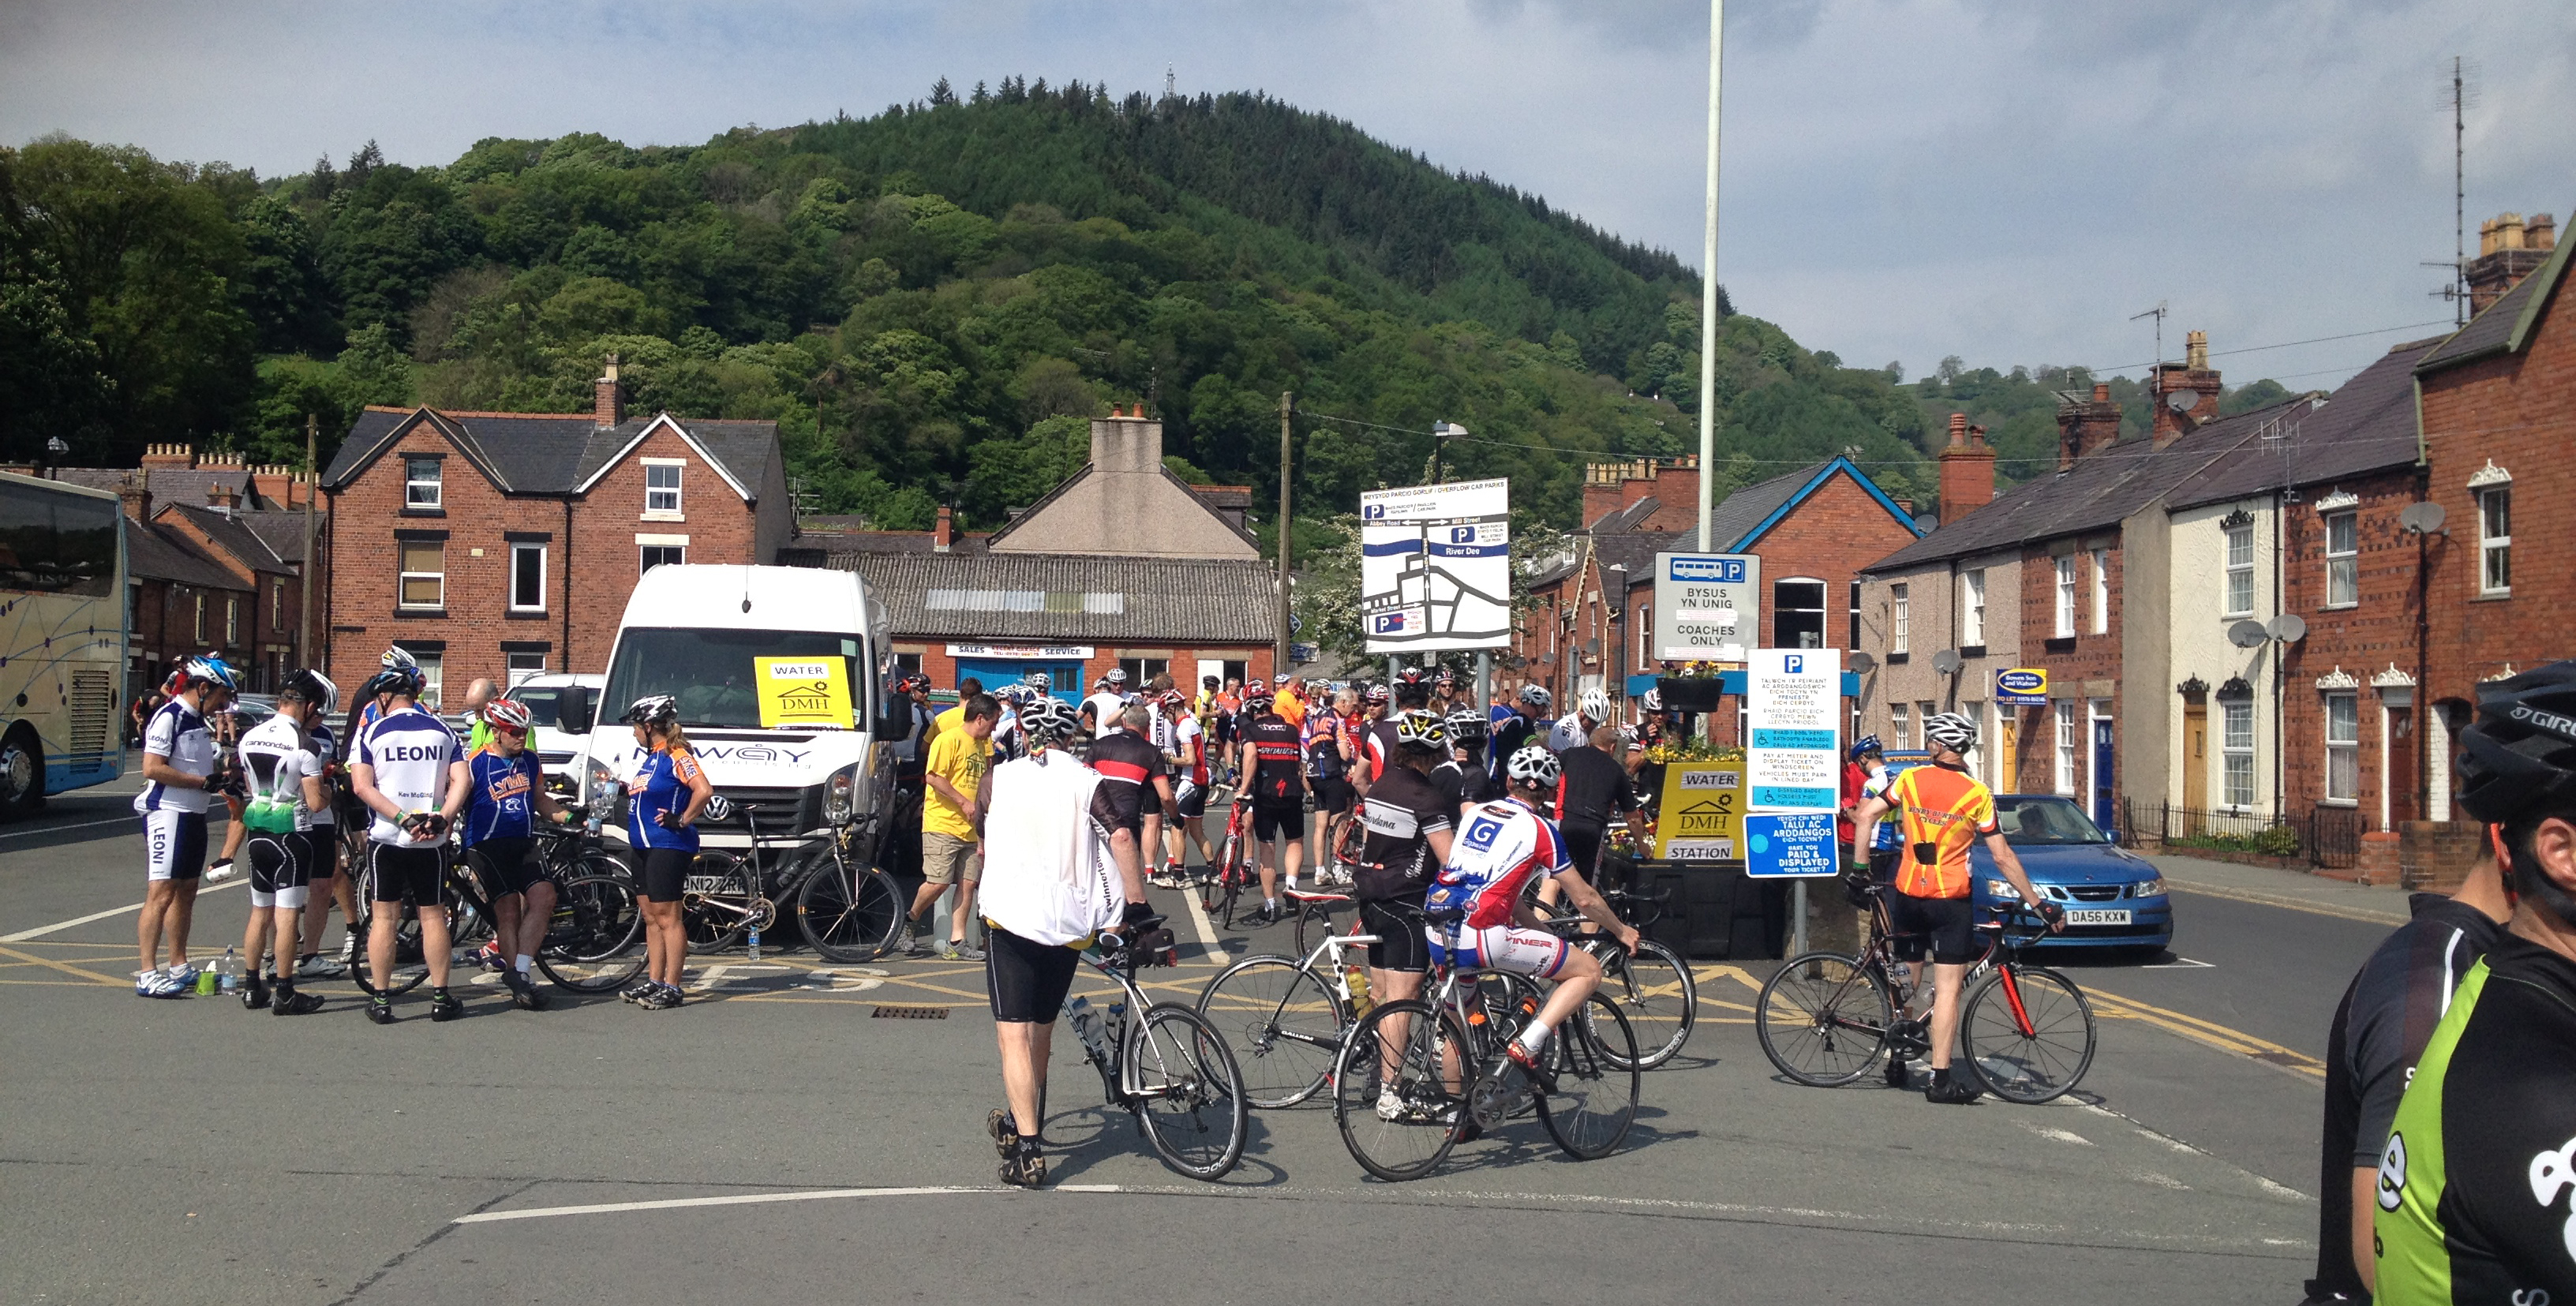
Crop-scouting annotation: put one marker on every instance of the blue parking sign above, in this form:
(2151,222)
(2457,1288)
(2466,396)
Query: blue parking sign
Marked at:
(1790,845)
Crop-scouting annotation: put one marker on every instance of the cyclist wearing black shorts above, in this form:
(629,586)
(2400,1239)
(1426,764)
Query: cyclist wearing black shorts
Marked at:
(504,795)
(1275,775)
(1408,820)
(409,769)
(1592,790)
(1136,783)
(666,793)
(283,774)
(2477,1183)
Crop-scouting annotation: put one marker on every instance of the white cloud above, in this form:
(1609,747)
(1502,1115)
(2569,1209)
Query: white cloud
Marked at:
(2007,180)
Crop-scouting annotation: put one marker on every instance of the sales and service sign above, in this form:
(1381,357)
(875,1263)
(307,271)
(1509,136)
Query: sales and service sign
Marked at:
(1436,567)
(1794,704)
(1700,813)
(2022,687)
(1708,606)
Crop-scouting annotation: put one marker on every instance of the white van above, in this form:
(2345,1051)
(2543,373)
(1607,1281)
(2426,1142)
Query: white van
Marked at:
(779,676)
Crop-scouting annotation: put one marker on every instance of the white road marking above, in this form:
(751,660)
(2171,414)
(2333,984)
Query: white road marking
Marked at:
(1207,929)
(2282,1190)
(2162,1180)
(2054,1134)
(2180,963)
(59,926)
(740,1199)
(83,825)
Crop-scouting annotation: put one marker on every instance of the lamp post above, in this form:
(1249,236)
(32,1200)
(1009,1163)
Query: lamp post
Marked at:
(1708,287)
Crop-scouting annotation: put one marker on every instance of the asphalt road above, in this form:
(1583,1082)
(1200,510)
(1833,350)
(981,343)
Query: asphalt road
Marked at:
(786,1143)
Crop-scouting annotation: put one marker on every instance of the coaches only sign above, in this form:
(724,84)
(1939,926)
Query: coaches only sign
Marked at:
(1436,567)
(1708,606)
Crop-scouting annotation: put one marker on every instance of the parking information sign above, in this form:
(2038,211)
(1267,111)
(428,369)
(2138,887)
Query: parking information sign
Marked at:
(1436,567)
(1708,606)
(1793,766)
(1789,845)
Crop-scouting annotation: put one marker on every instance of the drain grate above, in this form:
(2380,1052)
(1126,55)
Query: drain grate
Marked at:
(907,1011)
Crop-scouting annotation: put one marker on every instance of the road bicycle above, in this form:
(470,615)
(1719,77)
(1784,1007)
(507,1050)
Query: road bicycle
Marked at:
(2026,1031)
(847,909)
(1285,1017)
(1235,867)
(591,938)
(1162,1062)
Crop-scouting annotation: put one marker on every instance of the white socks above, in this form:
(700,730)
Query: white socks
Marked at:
(524,961)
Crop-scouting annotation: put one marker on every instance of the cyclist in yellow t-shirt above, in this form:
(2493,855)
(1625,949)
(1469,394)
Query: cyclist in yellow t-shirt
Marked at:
(952,840)
(1943,810)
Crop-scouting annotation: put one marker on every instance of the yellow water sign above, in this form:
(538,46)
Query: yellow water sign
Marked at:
(804,692)
(1701,816)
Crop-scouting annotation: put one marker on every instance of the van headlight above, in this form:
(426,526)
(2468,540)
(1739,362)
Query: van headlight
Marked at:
(604,788)
(837,796)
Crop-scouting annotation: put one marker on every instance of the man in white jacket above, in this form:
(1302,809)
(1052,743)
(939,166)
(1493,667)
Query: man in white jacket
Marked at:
(1058,869)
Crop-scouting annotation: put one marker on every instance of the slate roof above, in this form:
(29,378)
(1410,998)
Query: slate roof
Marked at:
(231,535)
(1063,597)
(282,531)
(2367,425)
(822,533)
(168,484)
(1636,551)
(1622,520)
(156,553)
(2102,488)
(2506,323)
(549,453)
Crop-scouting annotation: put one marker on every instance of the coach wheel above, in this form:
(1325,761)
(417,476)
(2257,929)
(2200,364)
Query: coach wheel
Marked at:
(22,774)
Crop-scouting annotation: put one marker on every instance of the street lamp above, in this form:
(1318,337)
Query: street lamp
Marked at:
(1441,434)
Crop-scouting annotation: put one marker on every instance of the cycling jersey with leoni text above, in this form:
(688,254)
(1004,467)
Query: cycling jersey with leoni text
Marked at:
(410,751)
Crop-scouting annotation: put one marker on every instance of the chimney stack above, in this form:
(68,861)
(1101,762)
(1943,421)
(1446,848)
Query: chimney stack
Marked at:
(135,493)
(943,536)
(222,498)
(2083,427)
(2510,247)
(1967,471)
(1123,442)
(2195,350)
(169,455)
(608,399)
(2192,376)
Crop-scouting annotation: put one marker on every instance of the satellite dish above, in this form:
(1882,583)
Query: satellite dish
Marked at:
(2182,401)
(2248,634)
(2289,628)
(1861,663)
(1946,662)
(2420,518)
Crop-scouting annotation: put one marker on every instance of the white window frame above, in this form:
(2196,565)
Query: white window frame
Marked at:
(2495,549)
(2343,564)
(403,579)
(1645,636)
(1900,617)
(517,549)
(516,672)
(201,620)
(642,566)
(2068,728)
(1975,710)
(662,502)
(424,492)
(2101,591)
(2065,596)
(2236,754)
(232,621)
(2236,596)
(277,605)
(1972,624)
(1900,725)
(2343,755)
(433,675)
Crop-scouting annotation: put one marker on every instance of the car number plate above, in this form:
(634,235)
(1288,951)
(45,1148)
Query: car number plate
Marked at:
(2097,915)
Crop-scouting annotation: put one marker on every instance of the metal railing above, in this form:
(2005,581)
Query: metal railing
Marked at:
(2329,837)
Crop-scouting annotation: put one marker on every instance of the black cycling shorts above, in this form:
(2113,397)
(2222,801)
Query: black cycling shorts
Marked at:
(280,873)
(417,875)
(1334,795)
(666,870)
(507,866)
(1948,924)
(1027,980)
(1583,847)
(1882,865)
(1401,943)
(1272,821)
(1190,799)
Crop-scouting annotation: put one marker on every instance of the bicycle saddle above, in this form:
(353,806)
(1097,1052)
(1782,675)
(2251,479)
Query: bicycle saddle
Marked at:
(1309,895)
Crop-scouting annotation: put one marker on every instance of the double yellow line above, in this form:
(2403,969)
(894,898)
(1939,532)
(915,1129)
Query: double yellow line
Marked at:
(2207,1033)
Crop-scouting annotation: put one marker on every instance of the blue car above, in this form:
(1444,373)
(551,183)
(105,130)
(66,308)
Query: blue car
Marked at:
(2113,897)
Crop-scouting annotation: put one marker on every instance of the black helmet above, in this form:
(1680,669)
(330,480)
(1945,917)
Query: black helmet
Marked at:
(2521,752)
(1418,729)
(312,687)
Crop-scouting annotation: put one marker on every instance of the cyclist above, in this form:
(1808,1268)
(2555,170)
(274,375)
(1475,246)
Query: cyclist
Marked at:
(1592,790)
(1884,839)
(410,771)
(1517,728)
(952,839)
(1943,810)
(1464,778)
(1108,699)
(914,689)
(1476,918)
(283,777)
(1268,761)
(1189,759)
(1288,699)
(1574,730)
(1330,733)
(330,882)
(1139,786)
(505,793)
(668,791)
(178,769)
(1064,869)
(1409,821)
(2478,1176)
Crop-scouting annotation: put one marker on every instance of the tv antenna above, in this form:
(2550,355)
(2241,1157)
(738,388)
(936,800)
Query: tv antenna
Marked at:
(2459,95)
(2158,313)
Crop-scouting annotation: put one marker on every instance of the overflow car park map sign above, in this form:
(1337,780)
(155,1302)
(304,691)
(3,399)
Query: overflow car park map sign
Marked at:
(1436,567)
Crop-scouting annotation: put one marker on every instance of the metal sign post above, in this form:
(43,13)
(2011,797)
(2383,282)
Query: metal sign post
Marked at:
(1793,770)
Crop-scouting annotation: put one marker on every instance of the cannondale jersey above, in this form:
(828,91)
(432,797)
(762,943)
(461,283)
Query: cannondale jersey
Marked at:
(1498,847)
(410,751)
(276,758)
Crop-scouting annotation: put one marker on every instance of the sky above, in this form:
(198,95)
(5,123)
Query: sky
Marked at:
(2007,181)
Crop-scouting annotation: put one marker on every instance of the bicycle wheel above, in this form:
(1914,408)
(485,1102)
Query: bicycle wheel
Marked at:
(1823,1020)
(2035,1061)
(594,944)
(1283,1023)
(1212,884)
(716,902)
(410,970)
(1589,1094)
(1398,1114)
(1189,1094)
(1231,892)
(850,913)
(1655,991)
(1321,916)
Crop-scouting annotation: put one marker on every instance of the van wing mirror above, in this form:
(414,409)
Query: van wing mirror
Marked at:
(573,710)
(896,724)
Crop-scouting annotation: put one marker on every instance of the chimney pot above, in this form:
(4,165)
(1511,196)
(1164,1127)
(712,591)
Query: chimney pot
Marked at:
(2540,232)
(2195,348)
(2101,392)
(1958,428)
(944,535)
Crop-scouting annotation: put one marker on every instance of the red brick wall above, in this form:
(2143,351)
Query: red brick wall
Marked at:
(2070,663)
(607,520)
(2364,639)
(2516,411)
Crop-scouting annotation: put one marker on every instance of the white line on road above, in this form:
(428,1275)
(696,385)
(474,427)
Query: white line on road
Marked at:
(2056,1135)
(740,1199)
(59,926)
(84,825)
(1207,929)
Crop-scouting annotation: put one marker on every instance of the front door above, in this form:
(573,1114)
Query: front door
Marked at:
(2195,763)
(2402,746)
(2102,755)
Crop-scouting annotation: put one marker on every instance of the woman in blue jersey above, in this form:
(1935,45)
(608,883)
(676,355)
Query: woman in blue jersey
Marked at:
(504,797)
(667,792)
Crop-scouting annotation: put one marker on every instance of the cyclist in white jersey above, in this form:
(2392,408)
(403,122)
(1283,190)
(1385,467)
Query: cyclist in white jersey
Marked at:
(178,767)
(409,769)
(1477,920)
(283,777)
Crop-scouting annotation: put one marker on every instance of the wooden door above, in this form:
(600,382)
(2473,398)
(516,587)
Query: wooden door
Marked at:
(2403,747)
(2195,761)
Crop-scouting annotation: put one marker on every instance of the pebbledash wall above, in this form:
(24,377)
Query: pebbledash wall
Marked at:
(1936,619)
(2210,677)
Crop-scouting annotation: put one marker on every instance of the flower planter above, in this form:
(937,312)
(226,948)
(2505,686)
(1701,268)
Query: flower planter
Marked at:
(1687,693)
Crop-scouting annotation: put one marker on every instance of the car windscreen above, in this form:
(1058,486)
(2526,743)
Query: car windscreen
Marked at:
(715,674)
(541,703)
(2045,821)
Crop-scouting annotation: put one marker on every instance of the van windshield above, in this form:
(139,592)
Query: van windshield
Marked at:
(716,674)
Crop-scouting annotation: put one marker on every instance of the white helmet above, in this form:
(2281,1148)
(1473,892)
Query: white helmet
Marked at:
(1533,765)
(1950,730)
(1596,705)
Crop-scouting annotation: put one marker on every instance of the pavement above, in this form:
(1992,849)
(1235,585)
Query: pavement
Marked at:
(783,1138)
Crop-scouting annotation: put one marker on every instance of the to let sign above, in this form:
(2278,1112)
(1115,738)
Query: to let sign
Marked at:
(1794,703)
(1708,606)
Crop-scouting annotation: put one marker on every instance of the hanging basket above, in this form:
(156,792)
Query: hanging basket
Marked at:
(1687,693)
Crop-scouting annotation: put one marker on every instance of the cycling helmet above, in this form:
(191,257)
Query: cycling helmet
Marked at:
(1467,726)
(211,669)
(1596,705)
(1653,701)
(1866,745)
(1256,700)
(1537,696)
(2520,754)
(1282,678)
(1049,720)
(1173,699)
(1533,765)
(1950,730)
(506,714)
(913,684)
(1410,676)
(1037,680)
(1422,730)
(312,687)
(1446,678)
(1375,694)
(1114,676)
(652,709)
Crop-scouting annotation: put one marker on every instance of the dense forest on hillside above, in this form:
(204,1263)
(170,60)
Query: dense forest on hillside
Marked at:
(929,301)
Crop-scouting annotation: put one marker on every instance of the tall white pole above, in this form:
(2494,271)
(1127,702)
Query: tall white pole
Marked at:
(1708,288)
